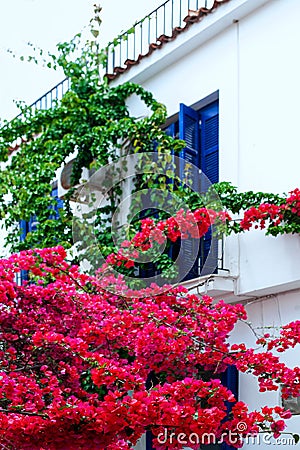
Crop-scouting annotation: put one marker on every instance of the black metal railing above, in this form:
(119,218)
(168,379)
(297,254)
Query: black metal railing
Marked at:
(209,263)
(48,100)
(152,30)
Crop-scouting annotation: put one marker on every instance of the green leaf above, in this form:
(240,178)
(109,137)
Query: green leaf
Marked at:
(94,32)
(170,173)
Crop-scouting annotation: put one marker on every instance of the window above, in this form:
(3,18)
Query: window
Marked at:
(200,130)
(31,225)
(25,228)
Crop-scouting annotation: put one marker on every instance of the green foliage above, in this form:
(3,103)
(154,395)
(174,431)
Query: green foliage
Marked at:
(88,385)
(91,122)
(236,201)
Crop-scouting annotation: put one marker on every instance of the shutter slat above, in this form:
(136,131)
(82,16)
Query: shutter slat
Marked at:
(210,143)
(210,167)
(189,132)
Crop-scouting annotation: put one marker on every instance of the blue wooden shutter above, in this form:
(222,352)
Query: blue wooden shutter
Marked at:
(58,204)
(170,130)
(209,118)
(189,132)
(209,129)
(23,229)
(230,379)
(23,225)
(31,225)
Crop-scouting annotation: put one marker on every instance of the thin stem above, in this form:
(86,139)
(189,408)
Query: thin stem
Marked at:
(24,413)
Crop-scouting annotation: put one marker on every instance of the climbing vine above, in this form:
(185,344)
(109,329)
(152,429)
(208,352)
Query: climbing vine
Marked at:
(93,124)
(277,214)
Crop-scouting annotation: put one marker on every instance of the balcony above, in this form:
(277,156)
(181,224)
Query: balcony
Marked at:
(150,33)
(50,98)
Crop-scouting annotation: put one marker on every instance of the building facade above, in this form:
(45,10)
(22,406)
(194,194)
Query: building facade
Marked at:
(231,65)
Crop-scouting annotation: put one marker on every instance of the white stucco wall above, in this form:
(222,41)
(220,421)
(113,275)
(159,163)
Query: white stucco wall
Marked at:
(253,65)
(266,315)
(269,97)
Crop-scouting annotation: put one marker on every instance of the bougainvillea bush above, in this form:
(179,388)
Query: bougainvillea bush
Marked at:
(275,219)
(87,365)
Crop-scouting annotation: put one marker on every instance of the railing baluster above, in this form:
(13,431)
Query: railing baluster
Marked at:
(180,6)
(161,27)
(149,31)
(47,100)
(106,62)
